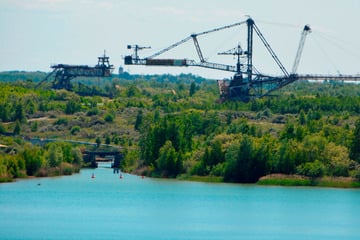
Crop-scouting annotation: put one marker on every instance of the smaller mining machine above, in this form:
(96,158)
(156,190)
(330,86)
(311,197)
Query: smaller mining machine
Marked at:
(64,73)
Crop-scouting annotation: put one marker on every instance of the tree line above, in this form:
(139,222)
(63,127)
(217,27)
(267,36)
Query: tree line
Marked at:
(22,159)
(201,143)
(172,126)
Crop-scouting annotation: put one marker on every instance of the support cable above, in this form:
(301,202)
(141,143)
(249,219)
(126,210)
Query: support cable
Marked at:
(272,53)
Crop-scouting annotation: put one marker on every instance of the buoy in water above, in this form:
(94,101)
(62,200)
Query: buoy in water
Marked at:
(93,175)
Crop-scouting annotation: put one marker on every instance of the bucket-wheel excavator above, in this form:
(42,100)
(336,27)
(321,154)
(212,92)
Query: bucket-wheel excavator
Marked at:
(247,82)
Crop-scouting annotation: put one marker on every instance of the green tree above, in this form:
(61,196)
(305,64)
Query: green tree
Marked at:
(132,91)
(192,89)
(33,159)
(139,120)
(241,170)
(19,112)
(216,154)
(167,161)
(2,128)
(302,117)
(14,165)
(245,160)
(66,152)
(72,106)
(30,107)
(231,155)
(98,141)
(77,156)
(313,148)
(156,116)
(355,143)
(54,155)
(34,126)
(338,161)
(17,128)
(286,162)
(107,140)
(5,112)
(265,155)
(288,132)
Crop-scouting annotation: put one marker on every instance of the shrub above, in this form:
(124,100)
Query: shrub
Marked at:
(109,117)
(67,168)
(311,169)
(340,170)
(2,128)
(74,130)
(63,121)
(92,112)
(356,174)
(218,169)
(72,106)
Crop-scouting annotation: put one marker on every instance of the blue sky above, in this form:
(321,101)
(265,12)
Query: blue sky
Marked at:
(37,33)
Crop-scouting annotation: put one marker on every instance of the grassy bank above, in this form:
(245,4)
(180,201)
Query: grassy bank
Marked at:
(285,180)
(6,179)
(66,169)
(296,180)
(196,178)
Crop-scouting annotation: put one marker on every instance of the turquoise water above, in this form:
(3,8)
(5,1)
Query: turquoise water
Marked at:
(107,207)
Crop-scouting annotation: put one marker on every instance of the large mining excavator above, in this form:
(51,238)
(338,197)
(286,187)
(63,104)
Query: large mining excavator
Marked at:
(247,82)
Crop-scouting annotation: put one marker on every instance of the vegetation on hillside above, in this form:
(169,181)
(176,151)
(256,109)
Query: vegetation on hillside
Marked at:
(173,126)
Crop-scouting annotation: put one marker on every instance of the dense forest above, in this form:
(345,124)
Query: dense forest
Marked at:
(174,126)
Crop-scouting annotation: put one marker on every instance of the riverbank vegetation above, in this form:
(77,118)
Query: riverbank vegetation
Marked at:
(20,159)
(173,126)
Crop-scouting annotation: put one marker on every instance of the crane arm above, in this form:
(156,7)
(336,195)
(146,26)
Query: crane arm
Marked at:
(193,36)
(188,63)
(220,28)
(170,47)
(198,50)
(304,33)
(320,77)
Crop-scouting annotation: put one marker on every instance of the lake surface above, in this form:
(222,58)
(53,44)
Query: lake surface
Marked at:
(107,207)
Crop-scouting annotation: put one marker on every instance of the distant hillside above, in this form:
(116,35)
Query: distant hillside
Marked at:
(174,126)
(37,76)
(13,76)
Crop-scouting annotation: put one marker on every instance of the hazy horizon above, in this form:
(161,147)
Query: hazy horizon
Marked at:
(36,34)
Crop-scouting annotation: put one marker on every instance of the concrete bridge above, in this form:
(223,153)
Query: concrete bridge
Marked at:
(93,156)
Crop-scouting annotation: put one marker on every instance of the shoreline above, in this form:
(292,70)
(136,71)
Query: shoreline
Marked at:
(268,180)
(286,180)
(302,181)
(69,170)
